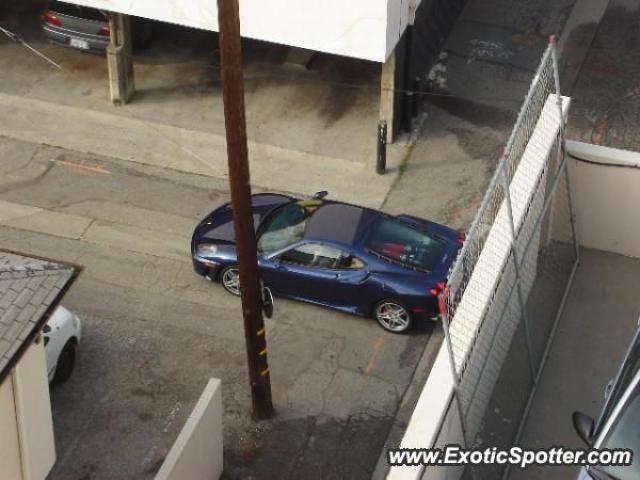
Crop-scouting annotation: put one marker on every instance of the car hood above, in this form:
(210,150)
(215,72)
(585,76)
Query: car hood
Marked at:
(218,225)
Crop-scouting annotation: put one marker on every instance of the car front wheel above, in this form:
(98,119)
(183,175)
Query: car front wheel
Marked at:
(392,316)
(66,361)
(230,280)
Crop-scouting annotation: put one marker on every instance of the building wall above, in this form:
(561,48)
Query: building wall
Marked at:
(26,429)
(33,407)
(417,50)
(197,452)
(10,467)
(606,196)
(366,29)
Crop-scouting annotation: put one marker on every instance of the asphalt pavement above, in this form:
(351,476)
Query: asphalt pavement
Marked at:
(154,331)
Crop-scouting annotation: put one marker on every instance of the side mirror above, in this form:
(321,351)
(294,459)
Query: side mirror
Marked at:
(584,427)
(267,302)
(320,195)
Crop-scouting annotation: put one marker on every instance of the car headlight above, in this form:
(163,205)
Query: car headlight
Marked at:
(206,249)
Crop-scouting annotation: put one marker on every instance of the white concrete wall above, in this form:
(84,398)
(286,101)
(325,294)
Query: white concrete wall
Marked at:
(398,13)
(429,414)
(450,433)
(33,407)
(366,29)
(606,199)
(197,452)
(10,463)
(27,449)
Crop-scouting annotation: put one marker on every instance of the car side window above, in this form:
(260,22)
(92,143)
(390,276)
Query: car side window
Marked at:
(318,255)
(628,372)
(618,384)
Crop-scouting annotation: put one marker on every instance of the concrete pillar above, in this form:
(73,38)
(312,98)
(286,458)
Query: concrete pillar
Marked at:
(387,94)
(120,59)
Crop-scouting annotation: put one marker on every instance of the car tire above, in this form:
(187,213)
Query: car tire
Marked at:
(66,362)
(392,316)
(230,280)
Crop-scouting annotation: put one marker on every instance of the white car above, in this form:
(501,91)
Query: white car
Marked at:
(61,337)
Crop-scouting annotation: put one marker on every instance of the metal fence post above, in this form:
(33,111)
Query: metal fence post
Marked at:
(553,45)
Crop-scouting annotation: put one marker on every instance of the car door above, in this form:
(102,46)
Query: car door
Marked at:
(618,385)
(309,271)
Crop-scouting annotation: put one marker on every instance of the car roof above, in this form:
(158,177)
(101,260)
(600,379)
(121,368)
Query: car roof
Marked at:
(340,222)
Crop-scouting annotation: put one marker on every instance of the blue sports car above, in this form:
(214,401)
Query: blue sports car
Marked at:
(354,259)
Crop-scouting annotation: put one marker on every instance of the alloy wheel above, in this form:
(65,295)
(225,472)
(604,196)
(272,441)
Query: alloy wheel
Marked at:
(231,280)
(393,317)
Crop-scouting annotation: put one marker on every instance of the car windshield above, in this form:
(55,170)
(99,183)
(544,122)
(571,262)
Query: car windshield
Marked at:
(624,433)
(285,227)
(397,241)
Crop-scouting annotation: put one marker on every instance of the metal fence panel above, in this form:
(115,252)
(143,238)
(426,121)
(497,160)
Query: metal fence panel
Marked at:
(509,282)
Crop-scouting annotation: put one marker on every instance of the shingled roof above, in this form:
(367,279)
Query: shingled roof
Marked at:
(30,288)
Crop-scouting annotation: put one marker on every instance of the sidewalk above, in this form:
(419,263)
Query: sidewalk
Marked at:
(192,151)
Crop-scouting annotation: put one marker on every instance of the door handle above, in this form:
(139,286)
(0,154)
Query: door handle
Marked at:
(359,279)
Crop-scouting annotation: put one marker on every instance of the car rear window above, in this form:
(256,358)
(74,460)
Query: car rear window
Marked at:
(74,10)
(396,241)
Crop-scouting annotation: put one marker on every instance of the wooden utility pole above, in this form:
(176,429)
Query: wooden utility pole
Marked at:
(237,152)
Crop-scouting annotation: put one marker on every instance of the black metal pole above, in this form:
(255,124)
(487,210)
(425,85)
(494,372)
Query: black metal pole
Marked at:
(238,159)
(381,158)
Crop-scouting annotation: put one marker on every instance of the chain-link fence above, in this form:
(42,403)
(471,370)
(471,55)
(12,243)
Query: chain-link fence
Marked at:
(508,285)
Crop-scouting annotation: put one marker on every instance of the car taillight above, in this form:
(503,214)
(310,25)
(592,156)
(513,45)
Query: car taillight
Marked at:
(104,31)
(52,19)
(461,238)
(435,291)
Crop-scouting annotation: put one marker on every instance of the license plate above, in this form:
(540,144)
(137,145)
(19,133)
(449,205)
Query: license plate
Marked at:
(79,43)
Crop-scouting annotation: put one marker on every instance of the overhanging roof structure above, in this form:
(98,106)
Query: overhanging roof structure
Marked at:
(365,29)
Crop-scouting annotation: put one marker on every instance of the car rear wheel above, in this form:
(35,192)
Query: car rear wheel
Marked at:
(66,361)
(230,280)
(392,316)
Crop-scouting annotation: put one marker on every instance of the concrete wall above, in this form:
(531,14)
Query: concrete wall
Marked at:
(450,433)
(197,452)
(432,411)
(606,197)
(366,29)
(26,427)
(10,463)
